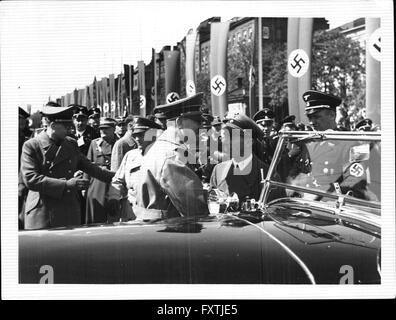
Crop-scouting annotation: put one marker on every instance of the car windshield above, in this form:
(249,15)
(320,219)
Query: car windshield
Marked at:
(325,166)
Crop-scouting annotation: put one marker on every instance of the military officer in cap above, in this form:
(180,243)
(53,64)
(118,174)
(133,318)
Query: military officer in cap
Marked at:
(330,160)
(83,132)
(321,110)
(94,121)
(100,153)
(242,172)
(122,193)
(364,125)
(123,145)
(265,119)
(48,164)
(168,186)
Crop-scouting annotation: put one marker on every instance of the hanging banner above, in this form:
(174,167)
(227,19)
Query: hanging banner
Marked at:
(128,75)
(252,73)
(91,96)
(154,89)
(142,87)
(105,97)
(299,49)
(112,96)
(218,67)
(67,99)
(190,59)
(172,74)
(119,102)
(373,70)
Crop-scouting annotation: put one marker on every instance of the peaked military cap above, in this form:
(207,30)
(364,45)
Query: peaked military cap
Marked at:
(120,121)
(289,119)
(316,100)
(23,113)
(94,112)
(243,122)
(58,114)
(80,111)
(186,107)
(264,115)
(364,125)
(107,123)
(52,104)
(216,121)
(141,124)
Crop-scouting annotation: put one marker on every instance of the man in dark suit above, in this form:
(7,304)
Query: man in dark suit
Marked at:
(242,172)
(48,164)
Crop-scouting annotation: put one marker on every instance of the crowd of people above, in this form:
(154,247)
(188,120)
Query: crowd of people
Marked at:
(81,168)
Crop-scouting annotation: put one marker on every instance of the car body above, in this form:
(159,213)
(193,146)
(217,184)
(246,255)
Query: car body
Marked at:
(292,240)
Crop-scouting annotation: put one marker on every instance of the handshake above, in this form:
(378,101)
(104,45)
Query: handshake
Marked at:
(77,182)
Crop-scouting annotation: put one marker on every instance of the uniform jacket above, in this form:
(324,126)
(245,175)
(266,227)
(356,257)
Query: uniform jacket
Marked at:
(332,161)
(44,170)
(247,183)
(120,148)
(99,153)
(125,179)
(167,186)
(84,141)
(123,185)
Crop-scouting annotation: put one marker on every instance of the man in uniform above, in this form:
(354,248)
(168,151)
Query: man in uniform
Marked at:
(168,187)
(332,161)
(265,119)
(48,164)
(123,145)
(100,153)
(121,127)
(122,193)
(83,133)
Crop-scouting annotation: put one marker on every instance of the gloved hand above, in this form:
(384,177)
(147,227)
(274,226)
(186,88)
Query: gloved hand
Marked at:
(77,183)
(113,206)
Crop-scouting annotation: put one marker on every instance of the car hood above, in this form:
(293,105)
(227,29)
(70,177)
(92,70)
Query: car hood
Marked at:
(286,248)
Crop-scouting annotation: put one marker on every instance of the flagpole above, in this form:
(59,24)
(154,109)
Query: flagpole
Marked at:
(260,63)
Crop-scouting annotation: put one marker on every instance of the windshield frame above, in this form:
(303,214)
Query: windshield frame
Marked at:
(285,136)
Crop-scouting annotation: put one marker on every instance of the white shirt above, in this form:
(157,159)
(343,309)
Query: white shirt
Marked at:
(242,165)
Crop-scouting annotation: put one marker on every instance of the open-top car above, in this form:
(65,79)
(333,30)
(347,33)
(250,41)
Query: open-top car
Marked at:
(325,230)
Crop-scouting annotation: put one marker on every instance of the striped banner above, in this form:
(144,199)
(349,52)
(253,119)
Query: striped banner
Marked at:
(190,59)
(373,70)
(112,96)
(142,88)
(105,97)
(218,67)
(299,50)
(172,75)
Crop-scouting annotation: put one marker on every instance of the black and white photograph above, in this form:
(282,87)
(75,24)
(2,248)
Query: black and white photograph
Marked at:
(197,149)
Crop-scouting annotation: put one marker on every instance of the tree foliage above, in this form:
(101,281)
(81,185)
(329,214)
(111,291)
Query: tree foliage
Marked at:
(338,67)
(239,60)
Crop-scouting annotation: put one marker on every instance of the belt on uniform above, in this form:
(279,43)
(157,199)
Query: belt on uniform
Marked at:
(149,214)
